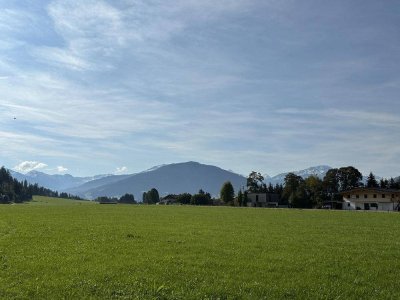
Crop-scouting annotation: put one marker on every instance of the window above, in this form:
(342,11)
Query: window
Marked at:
(365,196)
(348,196)
(392,195)
(374,205)
(374,195)
(383,195)
(357,196)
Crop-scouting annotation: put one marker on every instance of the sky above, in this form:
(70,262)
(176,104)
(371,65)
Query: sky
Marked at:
(98,87)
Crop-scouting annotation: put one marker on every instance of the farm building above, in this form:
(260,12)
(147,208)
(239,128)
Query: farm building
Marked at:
(371,199)
(262,200)
(167,201)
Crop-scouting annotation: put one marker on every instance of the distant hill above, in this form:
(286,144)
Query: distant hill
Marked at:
(177,178)
(54,182)
(318,171)
(173,178)
(85,189)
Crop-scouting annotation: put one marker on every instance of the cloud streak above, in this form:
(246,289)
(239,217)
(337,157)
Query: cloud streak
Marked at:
(27,166)
(262,85)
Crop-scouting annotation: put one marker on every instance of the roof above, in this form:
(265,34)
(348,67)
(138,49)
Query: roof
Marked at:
(367,189)
(262,194)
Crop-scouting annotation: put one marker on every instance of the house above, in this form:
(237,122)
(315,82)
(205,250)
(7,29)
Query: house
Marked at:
(371,199)
(167,201)
(108,202)
(262,200)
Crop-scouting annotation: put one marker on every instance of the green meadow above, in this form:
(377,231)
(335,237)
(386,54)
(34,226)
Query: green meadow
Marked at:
(65,249)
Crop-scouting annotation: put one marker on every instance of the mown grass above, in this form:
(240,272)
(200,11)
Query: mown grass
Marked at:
(81,250)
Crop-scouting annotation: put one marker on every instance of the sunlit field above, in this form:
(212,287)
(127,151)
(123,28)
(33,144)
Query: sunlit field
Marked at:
(54,249)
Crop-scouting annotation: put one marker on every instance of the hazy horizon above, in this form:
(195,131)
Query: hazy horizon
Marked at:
(29,169)
(99,87)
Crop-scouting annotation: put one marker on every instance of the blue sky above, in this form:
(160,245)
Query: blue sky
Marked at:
(120,86)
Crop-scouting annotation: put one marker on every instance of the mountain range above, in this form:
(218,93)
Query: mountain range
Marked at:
(175,178)
(318,171)
(55,182)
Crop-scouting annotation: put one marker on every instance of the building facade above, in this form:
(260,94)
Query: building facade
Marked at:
(262,200)
(371,199)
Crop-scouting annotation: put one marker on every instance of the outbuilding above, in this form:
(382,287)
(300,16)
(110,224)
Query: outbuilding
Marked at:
(262,200)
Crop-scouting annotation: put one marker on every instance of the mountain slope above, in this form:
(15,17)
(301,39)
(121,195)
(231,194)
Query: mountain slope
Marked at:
(91,185)
(54,182)
(174,178)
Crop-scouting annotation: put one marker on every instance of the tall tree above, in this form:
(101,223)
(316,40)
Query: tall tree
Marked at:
(331,182)
(127,198)
(255,182)
(240,198)
(227,193)
(152,196)
(338,180)
(384,183)
(245,198)
(144,197)
(294,190)
(371,181)
(349,178)
(315,191)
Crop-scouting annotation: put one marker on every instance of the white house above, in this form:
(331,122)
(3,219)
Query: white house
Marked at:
(371,199)
(262,200)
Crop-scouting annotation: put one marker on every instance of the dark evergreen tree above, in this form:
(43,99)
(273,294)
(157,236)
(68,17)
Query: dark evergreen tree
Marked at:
(151,197)
(384,183)
(270,188)
(227,193)
(240,198)
(245,198)
(371,181)
(184,198)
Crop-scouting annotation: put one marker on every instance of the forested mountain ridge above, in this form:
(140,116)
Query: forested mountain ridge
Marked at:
(14,191)
(11,190)
(58,182)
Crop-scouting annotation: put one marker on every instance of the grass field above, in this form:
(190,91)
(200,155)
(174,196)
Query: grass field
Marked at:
(55,249)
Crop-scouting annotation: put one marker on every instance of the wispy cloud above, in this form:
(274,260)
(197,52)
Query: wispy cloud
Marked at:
(121,170)
(359,116)
(61,169)
(27,166)
(260,84)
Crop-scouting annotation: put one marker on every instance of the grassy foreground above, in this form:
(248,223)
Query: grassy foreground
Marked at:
(72,249)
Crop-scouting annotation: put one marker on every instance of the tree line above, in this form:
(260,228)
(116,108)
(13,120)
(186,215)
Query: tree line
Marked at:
(313,192)
(14,191)
(199,198)
(152,197)
(125,199)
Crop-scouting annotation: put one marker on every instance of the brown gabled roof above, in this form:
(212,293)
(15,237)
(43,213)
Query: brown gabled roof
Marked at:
(368,189)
